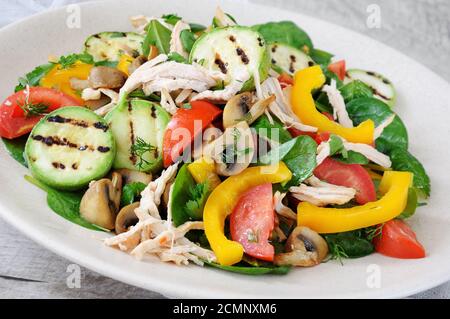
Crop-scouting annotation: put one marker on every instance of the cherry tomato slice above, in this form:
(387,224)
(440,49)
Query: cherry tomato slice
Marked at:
(349,175)
(338,68)
(253,220)
(398,240)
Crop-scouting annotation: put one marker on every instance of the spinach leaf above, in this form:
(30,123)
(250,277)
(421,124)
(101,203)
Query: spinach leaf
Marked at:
(198,194)
(16,148)
(269,130)
(65,204)
(187,40)
(34,77)
(299,155)
(393,136)
(336,145)
(411,204)
(351,244)
(352,157)
(354,90)
(157,35)
(174,56)
(181,195)
(171,18)
(321,57)
(195,27)
(111,64)
(402,160)
(130,193)
(252,271)
(286,32)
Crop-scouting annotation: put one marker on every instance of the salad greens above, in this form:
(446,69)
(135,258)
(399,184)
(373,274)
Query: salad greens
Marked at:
(158,36)
(131,193)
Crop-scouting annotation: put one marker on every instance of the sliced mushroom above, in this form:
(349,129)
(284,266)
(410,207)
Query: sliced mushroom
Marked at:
(305,248)
(233,151)
(130,176)
(106,77)
(126,218)
(241,108)
(96,104)
(78,84)
(101,201)
(136,63)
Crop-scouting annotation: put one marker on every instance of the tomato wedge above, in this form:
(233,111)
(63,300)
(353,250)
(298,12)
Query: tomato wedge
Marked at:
(349,175)
(318,137)
(338,68)
(285,80)
(15,122)
(184,126)
(398,240)
(253,220)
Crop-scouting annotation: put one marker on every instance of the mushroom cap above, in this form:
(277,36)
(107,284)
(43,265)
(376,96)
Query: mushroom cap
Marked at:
(106,77)
(126,218)
(241,108)
(131,176)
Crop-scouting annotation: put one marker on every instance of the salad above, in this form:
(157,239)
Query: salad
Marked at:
(244,148)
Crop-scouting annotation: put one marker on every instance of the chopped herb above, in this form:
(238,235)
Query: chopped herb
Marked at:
(34,77)
(139,149)
(68,60)
(171,18)
(198,196)
(33,109)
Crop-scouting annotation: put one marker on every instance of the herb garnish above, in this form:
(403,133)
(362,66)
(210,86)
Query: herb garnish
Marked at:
(139,149)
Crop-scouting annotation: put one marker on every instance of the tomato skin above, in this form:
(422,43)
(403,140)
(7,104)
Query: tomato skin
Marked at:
(398,240)
(348,175)
(254,217)
(318,137)
(285,80)
(186,121)
(338,68)
(14,123)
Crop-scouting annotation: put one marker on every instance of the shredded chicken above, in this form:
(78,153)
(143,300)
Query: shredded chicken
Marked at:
(282,209)
(167,102)
(223,19)
(139,22)
(92,94)
(323,151)
(281,107)
(321,193)
(183,96)
(338,104)
(380,128)
(370,152)
(175,40)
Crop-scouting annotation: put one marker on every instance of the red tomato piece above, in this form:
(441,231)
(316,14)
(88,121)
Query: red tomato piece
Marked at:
(253,220)
(398,240)
(338,68)
(184,126)
(318,137)
(285,80)
(349,175)
(14,122)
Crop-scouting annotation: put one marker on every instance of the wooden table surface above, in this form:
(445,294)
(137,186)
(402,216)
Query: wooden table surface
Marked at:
(418,28)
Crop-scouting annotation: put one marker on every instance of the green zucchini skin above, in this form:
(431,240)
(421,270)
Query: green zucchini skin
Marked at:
(288,58)
(230,49)
(382,88)
(109,45)
(134,119)
(70,147)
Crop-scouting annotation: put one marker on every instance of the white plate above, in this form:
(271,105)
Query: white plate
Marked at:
(423,100)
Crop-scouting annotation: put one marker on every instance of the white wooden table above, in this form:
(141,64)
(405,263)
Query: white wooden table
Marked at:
(418,28)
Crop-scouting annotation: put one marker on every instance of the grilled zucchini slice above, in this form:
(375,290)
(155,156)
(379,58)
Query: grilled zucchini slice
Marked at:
(138,128)
(70,147)
(232,50)
(288,58)
(110,46)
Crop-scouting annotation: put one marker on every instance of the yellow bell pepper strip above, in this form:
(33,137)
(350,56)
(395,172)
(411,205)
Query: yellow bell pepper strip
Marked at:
(224,198)
(304,107)
(59,78)
(124,62)
(203,170)
(394,185)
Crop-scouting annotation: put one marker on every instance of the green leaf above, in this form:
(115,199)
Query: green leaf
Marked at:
(130,193)
(34,77)
(411,204)
(68,60)
(171,18)
(286,32)
(351,244)
(273,131)
(187,40)
(402,160)
(393,136)
(181,195)
(16,148)
(65,204)
(353,158)
(336,145)
(174,56)
(157,35)
(195,27)
(252,271)
(111,64)
(198,194)
(277,154)
(354,90)
(321,57)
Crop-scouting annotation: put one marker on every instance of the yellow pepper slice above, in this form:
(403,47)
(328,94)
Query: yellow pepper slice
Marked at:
(124,62)
(203,170)
(59,78)
(222,201)
(304,107)
(394,185)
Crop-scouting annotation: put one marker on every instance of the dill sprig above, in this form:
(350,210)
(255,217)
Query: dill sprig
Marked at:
(373,232)
(139,149)
(337,252)
(33,109)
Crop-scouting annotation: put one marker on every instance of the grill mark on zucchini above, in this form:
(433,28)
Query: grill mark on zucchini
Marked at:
(133,157)
(291,65)
(64,120)
(153,112)
(101,126)
(243,55)
(222,66)
(232,38)
(56,140)
(58,165)
(260,42)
